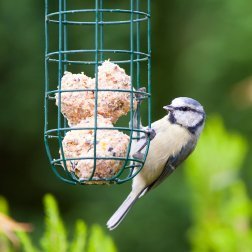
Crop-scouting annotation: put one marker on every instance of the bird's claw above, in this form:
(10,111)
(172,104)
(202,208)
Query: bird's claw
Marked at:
(151,133)
(140,97)
(138,155)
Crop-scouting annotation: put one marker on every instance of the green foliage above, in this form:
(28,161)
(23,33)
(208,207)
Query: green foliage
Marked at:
(26,242)
(80,237)
(4,242)
(3,205)
(99,242)
(55,238)
(221,208)
(200,49)
(55,235)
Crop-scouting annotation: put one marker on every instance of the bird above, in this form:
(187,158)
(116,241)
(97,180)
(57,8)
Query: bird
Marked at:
(173,139)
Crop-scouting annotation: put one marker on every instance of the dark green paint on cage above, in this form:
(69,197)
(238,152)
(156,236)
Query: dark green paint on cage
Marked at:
(63,19)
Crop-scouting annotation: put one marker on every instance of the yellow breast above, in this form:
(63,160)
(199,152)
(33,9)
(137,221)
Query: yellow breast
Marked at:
(169,140)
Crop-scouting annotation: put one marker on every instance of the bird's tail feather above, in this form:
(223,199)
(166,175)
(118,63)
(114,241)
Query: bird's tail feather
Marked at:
(122,211)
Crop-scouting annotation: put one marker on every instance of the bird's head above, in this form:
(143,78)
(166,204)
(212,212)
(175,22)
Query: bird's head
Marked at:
(187,113)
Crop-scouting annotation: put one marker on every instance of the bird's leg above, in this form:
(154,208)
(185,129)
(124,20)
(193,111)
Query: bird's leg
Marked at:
(149,133)
(136,120)
(140,97)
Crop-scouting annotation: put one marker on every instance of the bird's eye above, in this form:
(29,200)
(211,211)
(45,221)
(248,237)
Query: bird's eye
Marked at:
(184,108)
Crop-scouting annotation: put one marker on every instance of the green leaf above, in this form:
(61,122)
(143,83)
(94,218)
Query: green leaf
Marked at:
(99,242)
(80,236)
(217,158)
(26,242)
(221,208)
(5,245)
(55,238)
(3,206)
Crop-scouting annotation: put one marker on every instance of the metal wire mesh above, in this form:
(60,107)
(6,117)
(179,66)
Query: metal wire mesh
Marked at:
(131,21)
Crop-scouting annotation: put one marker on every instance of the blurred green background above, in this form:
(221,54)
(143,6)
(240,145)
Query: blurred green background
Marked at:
(200,49)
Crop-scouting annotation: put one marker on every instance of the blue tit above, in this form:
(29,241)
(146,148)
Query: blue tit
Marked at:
(174,138)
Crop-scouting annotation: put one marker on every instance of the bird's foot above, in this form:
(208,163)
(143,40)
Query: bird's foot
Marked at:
(138,155)
(139,96)
(151,133)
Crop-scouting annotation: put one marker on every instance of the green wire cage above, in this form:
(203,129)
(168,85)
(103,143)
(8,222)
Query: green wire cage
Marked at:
(79,37)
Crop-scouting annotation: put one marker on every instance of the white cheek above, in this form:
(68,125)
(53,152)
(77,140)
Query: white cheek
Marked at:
(187,119)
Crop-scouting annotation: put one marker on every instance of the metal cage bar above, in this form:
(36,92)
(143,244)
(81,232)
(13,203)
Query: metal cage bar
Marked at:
(60,18)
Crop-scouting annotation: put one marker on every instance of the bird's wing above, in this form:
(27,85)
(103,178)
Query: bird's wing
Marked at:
(172,164)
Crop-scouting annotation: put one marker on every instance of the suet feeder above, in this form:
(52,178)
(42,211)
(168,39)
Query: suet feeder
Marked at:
(89,38)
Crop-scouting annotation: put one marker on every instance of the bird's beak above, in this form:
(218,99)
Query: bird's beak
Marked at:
(168,108)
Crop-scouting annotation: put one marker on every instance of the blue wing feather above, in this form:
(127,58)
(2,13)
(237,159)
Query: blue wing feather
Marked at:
(172,164)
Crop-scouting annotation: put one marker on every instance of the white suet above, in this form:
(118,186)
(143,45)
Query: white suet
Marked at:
(78,105)
(109,144)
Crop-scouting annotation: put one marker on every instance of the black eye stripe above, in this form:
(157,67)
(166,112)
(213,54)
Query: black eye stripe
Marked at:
(184,108)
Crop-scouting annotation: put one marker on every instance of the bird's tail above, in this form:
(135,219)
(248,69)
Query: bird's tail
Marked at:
(121,212)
